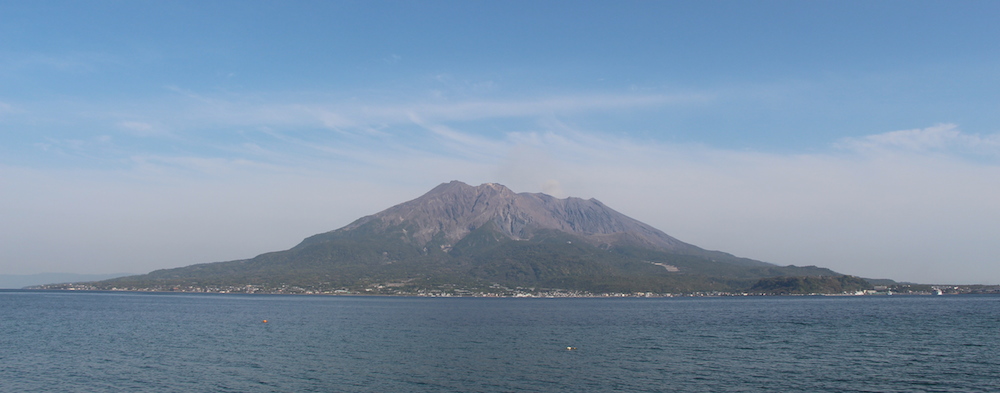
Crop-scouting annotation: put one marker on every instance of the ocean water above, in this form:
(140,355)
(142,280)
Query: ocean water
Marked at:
(141,342)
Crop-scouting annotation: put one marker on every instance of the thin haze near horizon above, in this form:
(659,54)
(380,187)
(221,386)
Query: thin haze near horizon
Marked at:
(859,136)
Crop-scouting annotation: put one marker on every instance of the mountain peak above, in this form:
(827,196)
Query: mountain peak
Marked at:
(459,186)
(452,210)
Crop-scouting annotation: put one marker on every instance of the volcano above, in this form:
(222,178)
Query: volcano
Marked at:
(461,238)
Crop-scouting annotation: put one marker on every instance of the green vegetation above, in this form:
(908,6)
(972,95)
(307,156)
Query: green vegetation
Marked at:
(369,257)
(808,285)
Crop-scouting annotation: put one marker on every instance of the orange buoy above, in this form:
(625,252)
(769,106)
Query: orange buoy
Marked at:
(265,321)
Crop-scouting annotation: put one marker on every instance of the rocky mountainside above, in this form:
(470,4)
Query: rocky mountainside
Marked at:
(451,211)
(459,237)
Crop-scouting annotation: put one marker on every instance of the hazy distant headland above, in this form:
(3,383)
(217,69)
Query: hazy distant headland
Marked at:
(17,281)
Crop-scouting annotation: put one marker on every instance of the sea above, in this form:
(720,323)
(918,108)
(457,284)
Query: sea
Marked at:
(65,341)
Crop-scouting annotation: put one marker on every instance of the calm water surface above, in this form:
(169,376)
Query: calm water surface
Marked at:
(104,342)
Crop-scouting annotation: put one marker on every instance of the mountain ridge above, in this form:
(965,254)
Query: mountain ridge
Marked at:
(466,207)
(458,236)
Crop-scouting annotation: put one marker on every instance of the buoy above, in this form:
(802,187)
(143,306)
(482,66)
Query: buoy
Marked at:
(265,321)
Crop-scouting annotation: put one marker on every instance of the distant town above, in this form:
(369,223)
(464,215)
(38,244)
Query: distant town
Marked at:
(497,290)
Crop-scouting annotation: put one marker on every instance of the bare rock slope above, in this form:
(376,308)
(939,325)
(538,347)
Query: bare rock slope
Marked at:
(455,209)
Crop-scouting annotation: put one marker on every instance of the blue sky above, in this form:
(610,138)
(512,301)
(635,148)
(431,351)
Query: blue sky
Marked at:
(860,136)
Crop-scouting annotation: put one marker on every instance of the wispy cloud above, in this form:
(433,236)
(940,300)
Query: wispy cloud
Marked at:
(73,62)
(190,121)
(392,59)
(142,129)
(937,138)
(210,166)
(6,108)
(198,109)
(460,142)
(558,105)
